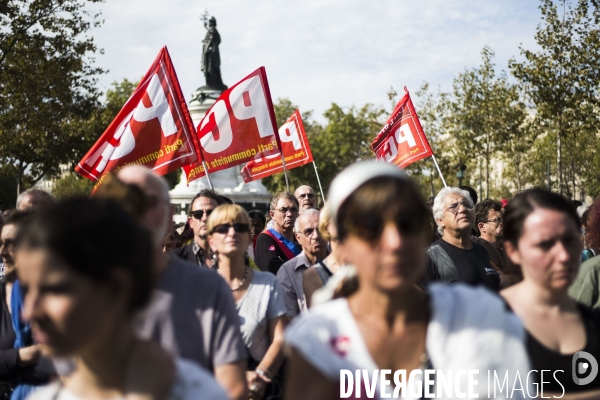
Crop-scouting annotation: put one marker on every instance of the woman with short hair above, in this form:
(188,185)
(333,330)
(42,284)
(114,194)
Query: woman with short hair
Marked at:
(257,295)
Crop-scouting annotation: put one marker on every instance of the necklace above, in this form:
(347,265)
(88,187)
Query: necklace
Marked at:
(238,287)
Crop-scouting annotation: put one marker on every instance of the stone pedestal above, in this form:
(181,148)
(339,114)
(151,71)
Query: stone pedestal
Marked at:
(229,182)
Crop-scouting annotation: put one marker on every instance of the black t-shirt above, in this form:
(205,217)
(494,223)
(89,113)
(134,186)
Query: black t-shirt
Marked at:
(558,366)
(268,256)
(471,267)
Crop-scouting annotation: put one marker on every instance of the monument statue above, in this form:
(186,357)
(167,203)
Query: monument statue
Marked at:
(229,182)
(211,60)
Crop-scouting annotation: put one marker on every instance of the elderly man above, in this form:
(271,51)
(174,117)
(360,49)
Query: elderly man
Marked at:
(199,252)
(277,244)
(34,199)
(314,249)
(306,197)
(488,219)
(192,311)
(454,257)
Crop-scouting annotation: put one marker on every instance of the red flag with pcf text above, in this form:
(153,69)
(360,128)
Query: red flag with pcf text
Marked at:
(295,149)
(153,128)
(402,141)
(238,128)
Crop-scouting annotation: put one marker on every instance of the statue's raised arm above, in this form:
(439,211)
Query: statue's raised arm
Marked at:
(211,60)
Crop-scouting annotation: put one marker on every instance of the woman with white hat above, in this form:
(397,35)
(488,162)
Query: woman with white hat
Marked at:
(388,322)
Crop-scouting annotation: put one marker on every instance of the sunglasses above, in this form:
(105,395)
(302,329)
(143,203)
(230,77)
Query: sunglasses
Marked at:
(200,213)
(224,228)
(284,210)
(8,243)
(371,229)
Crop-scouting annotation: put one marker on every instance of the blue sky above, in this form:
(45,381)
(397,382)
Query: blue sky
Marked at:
(317,52)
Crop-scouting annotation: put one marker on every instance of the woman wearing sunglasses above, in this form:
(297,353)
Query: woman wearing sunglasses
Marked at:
(257,295)
(86,268)
(387,322)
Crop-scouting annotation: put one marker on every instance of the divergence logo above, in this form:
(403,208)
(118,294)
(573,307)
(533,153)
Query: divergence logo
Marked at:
(585,368)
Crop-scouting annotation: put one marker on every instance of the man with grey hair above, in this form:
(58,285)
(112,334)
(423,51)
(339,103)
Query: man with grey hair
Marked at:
(192,312)
(454,257)
(276,244)
(314,250)
(34,199)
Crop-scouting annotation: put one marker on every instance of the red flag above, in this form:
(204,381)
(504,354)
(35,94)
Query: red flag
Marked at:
(154,128)
(295,149)
(402,141)
(238,128)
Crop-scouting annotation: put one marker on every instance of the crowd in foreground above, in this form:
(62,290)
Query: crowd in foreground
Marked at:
(103,299)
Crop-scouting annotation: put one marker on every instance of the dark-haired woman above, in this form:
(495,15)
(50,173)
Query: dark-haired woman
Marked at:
(21,367)
(388,323)
(542,236)
(86,268)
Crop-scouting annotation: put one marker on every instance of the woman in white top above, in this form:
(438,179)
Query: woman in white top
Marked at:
(86,268)
(257,295)
(388,322)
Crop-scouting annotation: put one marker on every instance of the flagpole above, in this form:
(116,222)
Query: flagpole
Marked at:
(319,180)
(207,174)
(438,168)
(287,184)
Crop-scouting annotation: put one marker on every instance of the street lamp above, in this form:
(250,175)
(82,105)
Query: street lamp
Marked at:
(460,174)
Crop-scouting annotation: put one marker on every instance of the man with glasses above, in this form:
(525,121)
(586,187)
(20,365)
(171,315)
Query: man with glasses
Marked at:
(314,250)
(198,252)
(277,244)
(454,257)
(306,197)
(488,220)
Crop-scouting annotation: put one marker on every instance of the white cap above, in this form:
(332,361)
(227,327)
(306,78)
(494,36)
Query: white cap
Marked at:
(350,179)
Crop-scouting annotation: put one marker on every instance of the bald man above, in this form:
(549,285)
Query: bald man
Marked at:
(306,197)
(192,311)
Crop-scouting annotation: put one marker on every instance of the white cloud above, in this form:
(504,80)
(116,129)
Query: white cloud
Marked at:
(317,52)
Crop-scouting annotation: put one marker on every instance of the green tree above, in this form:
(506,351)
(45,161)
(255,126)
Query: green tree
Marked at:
(72,185)
(346,138)
(485,115)
(47,84)
(561,79)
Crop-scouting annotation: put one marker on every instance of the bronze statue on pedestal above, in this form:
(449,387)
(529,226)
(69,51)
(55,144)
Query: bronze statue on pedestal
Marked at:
(211,60)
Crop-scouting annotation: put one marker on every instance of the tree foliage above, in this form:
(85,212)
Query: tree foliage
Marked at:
(72,185)
(561,80)
(432,109)
(47,84)
(485,117)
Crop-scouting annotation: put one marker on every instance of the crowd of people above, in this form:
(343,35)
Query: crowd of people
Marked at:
(103,298)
